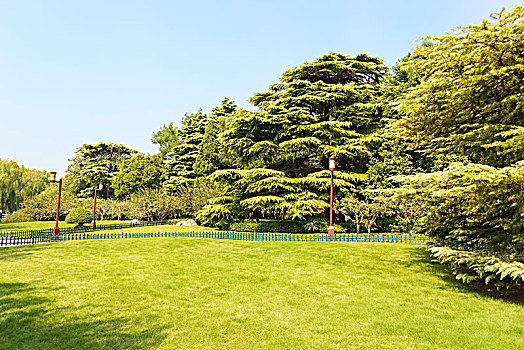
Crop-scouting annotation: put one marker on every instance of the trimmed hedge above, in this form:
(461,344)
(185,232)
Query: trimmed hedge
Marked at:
(282,226)
(286,226)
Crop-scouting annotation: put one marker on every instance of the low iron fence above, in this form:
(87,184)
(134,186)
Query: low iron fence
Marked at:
(239,236)
(46,235)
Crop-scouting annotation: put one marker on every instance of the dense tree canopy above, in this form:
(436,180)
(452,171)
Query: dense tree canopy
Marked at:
(469,104)
(140,172)
(329,107)
(471,97)
(211,155)
(178,165)
(94,164)
(166,138)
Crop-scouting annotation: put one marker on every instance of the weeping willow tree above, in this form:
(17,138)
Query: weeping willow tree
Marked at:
(18,182)
(327,108)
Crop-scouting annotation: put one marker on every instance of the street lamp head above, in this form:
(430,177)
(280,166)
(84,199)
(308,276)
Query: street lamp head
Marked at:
(52,177)
(100,186)
(331,163)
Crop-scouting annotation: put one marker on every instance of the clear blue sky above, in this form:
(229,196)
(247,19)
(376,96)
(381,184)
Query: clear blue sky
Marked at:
(75,72)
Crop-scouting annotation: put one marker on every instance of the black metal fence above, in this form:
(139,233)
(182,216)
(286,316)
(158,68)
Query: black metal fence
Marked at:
(46,235)
(240,236)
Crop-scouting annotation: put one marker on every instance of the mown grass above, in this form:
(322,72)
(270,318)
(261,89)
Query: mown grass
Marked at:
(213,294)
(41,225)
(38,225)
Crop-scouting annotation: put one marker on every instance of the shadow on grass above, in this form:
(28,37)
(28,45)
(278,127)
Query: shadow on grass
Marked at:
(421,258)
(23,251)
(28,322)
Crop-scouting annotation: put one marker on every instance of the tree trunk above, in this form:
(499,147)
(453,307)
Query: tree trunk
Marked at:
(357,222)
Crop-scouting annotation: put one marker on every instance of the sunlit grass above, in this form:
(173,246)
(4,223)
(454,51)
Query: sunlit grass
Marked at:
(167,293)
(41,225)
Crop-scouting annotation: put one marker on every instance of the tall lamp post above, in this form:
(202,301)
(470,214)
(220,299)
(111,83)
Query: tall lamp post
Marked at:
(331,229)
(93,223)
(52,179)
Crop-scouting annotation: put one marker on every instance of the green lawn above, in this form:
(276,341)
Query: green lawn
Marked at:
(40,225)
(167,293)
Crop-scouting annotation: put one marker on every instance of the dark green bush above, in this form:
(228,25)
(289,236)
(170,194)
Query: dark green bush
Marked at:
(314,225)
(287,226)
(19,216)
(320,224)
(79,216)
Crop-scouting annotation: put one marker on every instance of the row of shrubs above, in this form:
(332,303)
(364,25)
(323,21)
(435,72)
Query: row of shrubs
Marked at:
(311,226)
(267,226)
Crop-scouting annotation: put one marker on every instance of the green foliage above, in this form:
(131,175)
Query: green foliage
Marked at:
(191,198)
(178,163)
(320,224)
(329,107)
(141,171)
(392,158)
(155,204)
(468,106)
(475,216)
(112,209)
(94,164)
(166,138)
(42,207)
(211,155)
(21,215)
(474,203)
(367,210)
(470,266)
(152,204)
(18,182)
(312,225)
(79,216)
(268,226)
(470,99)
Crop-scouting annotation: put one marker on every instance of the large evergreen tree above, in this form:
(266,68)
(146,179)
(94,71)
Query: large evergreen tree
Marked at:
(329,107)
(471,99)
(211,156)
(470,104)
(166,138)
(94,164)
(178,163)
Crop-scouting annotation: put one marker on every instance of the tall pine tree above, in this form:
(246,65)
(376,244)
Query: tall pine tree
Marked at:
(211,155)
(329,107)
(178,163)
